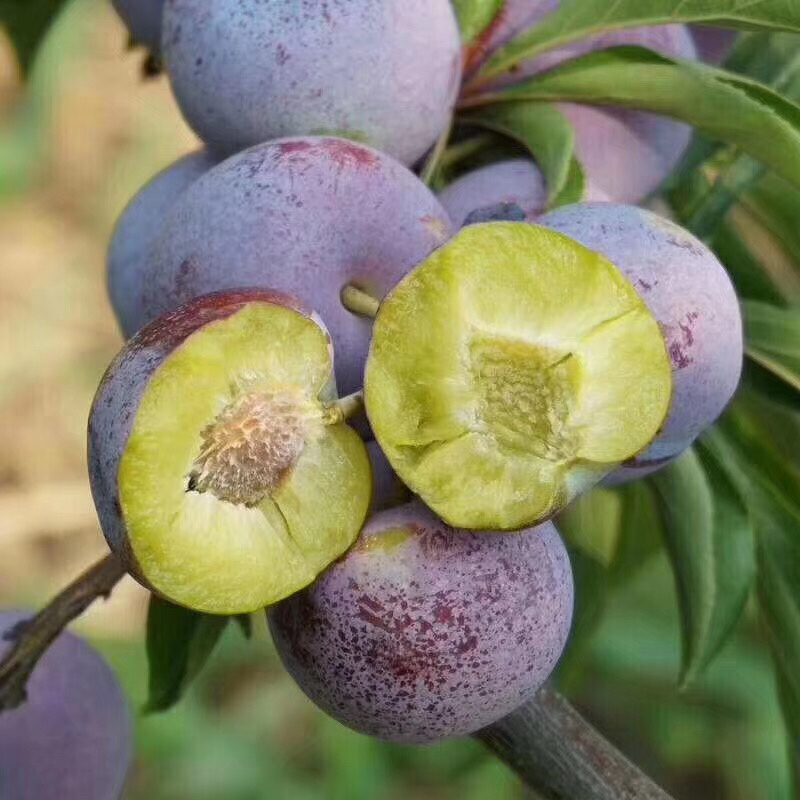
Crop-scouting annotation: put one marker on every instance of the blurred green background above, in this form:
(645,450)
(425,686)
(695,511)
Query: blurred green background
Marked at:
(83,137)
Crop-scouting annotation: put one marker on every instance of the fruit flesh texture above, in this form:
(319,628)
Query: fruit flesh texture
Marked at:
(510,371)
(626,154)
(517,183)
(144,20)
(215,529)
(137,229)
(689,293)
(245,71)
(423,632)
(304,216)
(72,738)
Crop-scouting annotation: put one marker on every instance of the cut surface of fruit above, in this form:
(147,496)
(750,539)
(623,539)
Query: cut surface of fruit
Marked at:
(511,370)
(238,483)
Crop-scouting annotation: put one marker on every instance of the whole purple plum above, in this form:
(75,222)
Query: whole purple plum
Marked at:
(143,19)
(423,632)
(72,738)
(713,44)
(689,293)
(245,71)
(303,216)
(516,183)
(137,228)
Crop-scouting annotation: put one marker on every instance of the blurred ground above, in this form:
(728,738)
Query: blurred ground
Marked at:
(73,150)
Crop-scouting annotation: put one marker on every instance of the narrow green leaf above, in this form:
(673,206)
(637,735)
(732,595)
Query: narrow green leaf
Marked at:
(750,442)
(577,19)
(549,137)
(709,540)
(773,339)
(721,105)
(27,22)
(179,642)
(776,205)
(474,16)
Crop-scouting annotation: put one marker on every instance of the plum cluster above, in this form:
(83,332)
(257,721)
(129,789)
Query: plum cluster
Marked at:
(297,272)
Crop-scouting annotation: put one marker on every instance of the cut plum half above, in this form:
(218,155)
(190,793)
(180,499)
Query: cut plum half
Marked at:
(510,371)
(238,478)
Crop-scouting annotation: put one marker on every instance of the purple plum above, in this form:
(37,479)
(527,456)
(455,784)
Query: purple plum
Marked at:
(245,71)
(422,632)
(713,44)
(689,293)
(516,183)
(144,20)
(137,228)
(72,738)
(303,216)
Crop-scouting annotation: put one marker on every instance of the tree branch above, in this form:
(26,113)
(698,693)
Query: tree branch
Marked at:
(32,639)
(562,757)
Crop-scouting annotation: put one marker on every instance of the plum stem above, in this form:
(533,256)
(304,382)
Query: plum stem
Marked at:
(345,408)
(38,633)
(431,167)
(359,302)
(561,756)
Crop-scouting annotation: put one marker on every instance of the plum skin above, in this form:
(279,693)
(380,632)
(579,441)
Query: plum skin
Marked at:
(689,293)
(72,738)
(138,227)
(246,71)
(144,20)
(120,392)
(304,216)
(515,182)
(434,634)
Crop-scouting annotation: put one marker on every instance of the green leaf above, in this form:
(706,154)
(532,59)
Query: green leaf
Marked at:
(577,19)
(720,104)
(27,22)
(773,339)
(475,16)
(549,137)
(776,205)
(179,642)
(709,539)
(747,443)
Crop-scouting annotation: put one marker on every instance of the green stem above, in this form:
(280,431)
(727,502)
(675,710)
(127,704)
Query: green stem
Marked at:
(432,164)
(42,630)
(345,408)
(359,302)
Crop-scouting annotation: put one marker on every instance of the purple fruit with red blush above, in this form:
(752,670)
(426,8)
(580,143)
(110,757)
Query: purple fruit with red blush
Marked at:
(303,216)
(690,294)
(423,632)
